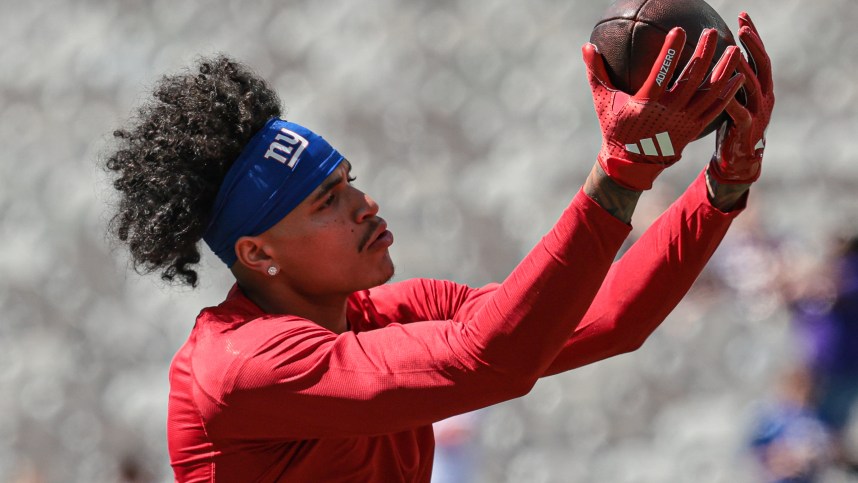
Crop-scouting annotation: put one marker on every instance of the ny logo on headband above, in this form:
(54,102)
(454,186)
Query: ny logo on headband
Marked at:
(286,147)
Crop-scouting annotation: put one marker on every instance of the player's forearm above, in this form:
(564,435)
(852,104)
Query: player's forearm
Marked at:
(525,322)
(644,286)
(615,199)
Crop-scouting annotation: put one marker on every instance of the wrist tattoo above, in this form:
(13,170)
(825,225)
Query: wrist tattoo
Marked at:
(615,199)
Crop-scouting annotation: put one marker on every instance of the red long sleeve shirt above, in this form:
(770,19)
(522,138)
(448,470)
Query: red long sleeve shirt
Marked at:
(268,397)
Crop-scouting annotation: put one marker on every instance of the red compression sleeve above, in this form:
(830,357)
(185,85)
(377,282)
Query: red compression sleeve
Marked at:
(290,378)
(647,283)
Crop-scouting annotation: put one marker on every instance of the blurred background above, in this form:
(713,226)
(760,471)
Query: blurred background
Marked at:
(470,122)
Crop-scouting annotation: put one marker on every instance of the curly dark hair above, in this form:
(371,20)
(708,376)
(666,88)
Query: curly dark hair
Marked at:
(171,159)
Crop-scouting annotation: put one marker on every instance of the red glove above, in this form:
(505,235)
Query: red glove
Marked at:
(644,133)
(740,143)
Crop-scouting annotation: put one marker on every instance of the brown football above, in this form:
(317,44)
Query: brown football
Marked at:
(631,34)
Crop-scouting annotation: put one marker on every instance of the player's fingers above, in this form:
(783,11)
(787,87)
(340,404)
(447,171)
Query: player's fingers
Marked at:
(664,66)
(714,86)
(740,116)
(716,101)
(726,65)
(757,57)
(753,40)
(596,71)
(695,71)
(753,93)
(745,21)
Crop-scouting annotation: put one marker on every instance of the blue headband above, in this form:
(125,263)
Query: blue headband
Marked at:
(280,166)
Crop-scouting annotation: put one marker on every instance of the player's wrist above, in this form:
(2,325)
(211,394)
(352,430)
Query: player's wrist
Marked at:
(725,196)
(618,200)
(628,171)
(734,171)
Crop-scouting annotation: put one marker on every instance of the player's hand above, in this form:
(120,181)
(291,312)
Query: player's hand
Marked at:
(644,133)
(741,141)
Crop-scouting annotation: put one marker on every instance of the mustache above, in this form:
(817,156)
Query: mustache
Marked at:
(370,231)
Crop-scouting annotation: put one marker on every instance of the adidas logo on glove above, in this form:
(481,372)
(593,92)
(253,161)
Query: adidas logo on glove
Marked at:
(665,147)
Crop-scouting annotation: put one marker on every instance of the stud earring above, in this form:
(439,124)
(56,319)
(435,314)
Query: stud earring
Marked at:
(272,270)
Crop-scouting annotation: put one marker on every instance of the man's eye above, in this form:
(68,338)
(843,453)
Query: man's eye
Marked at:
(329,200)
(352,179)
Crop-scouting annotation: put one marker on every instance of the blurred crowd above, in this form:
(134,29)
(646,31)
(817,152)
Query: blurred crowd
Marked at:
(471,124)
(810,427)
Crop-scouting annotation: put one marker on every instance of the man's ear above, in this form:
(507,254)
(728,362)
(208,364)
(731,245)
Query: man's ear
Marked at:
(253,253)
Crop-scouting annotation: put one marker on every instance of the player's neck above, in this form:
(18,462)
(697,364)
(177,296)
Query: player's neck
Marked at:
(329,311)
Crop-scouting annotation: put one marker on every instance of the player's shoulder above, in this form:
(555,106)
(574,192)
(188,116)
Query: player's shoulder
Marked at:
(220,350)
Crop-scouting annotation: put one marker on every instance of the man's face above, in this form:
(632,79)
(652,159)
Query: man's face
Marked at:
(333,243)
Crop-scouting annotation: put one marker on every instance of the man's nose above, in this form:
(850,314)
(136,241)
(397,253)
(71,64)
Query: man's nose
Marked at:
(368,207)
